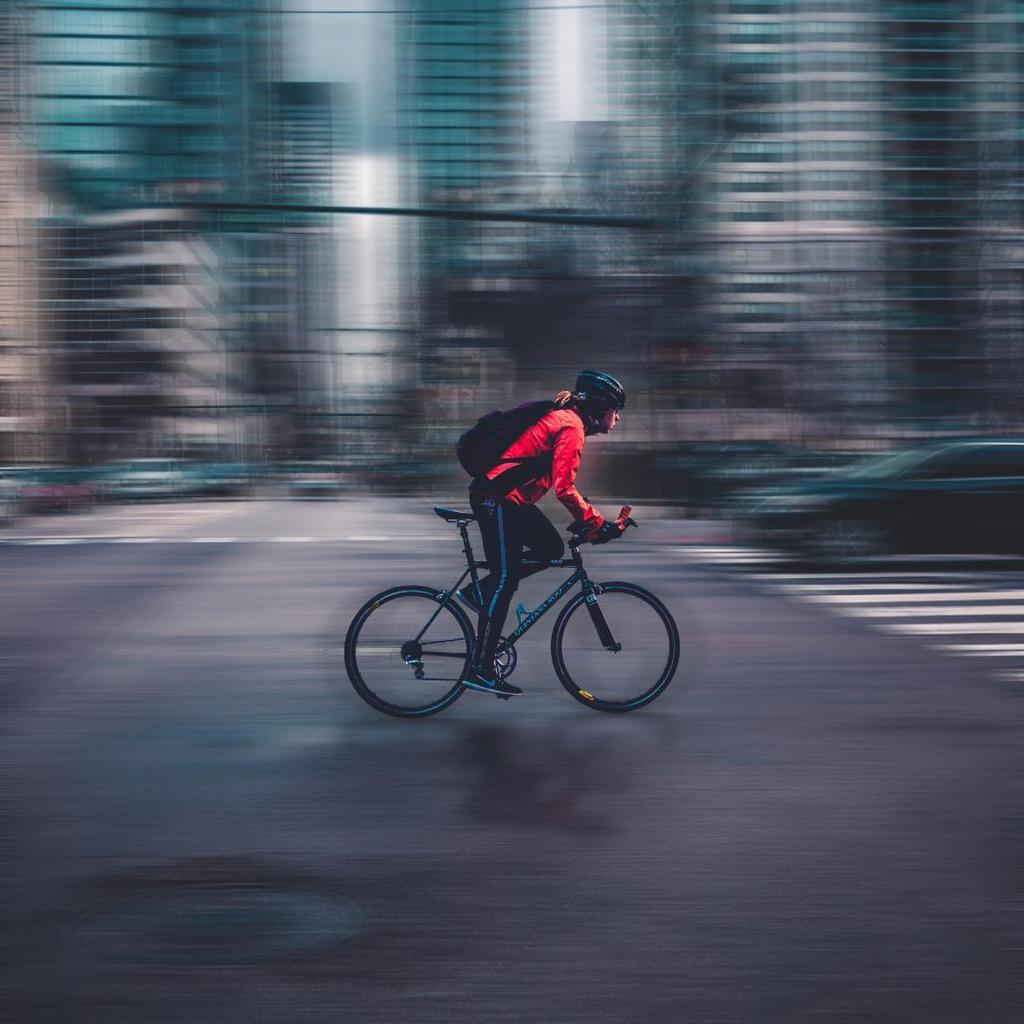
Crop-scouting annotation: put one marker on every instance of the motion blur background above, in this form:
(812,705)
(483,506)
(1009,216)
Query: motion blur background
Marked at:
(794,222)
(272,248)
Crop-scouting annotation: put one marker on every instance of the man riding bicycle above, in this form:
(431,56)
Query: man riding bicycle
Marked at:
(504,502)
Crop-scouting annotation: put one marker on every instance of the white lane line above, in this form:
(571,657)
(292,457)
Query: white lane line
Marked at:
(984,650)
(729,555)
(367,538)
(941,611)
(1011,676)
(831,588)
(712,549)
(731,552)
(136,540)
(924,628)
(861,577)
(930,598)
(291,540)
(59,539)
(209,540)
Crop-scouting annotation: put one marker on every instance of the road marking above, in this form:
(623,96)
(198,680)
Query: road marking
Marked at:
(53,540)
(367,538)
(211,540)
(984,650)
(291,540)
(969,596)
(811,589)
(939,610)
(860,577)
(924,628)
(136,540)
(730,555)
(931,598)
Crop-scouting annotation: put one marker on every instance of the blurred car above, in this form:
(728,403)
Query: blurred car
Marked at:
(12,480)
(710,477)
(220,479)
(947,497)
(40,489)
(145,479)
(313,479)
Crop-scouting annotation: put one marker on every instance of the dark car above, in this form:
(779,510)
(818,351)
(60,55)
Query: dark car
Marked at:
(949,497)
(712,477)
(220,479)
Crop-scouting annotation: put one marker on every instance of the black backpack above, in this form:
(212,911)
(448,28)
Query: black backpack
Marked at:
(480,448)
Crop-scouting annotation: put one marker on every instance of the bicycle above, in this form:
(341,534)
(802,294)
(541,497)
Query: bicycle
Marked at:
(401,635)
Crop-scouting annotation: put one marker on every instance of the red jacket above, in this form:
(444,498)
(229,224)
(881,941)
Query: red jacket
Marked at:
(561,433)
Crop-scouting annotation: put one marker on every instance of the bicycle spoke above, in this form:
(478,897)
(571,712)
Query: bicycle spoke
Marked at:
(407,627)
(641,666)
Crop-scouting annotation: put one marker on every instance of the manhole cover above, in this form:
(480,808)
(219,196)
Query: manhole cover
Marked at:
(219,925)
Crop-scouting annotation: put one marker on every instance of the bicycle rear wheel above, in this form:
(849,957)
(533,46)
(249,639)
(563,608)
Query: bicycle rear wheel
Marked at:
(616,680)
(406,651)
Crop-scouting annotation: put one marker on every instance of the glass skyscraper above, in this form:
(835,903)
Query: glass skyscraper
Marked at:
(163,325)
(142,100)
(842,204)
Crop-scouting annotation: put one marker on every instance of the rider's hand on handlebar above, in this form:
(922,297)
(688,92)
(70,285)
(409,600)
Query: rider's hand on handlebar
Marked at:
(611,529)
(614,528)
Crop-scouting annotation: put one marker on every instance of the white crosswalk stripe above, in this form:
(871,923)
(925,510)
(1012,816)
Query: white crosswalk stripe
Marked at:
(931,595)
(985,650)
(725,555)
(971,614)
(960,611)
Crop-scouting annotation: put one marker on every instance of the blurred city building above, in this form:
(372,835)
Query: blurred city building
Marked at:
(136,354)
(24,379)
(464,99)
(170,331)
(845,176)
(135,105)
(834,188)
(281,284)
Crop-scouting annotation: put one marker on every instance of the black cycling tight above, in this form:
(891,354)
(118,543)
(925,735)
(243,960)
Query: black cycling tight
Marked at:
(506,529)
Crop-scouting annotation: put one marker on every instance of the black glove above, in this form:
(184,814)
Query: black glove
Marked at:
(609,531)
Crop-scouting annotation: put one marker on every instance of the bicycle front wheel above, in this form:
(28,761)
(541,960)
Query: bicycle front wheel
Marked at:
(619,653)
(406,651)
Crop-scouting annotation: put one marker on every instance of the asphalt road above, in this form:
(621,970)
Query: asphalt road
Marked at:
(202,824)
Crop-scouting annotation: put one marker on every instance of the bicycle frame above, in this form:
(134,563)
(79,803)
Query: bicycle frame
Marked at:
(579,575)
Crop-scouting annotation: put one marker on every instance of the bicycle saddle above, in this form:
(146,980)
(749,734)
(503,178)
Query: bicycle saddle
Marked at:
(451,515)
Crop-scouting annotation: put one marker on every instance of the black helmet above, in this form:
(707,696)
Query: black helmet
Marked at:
(600,388)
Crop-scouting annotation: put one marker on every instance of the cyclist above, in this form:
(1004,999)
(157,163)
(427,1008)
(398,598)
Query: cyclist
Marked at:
(510,520)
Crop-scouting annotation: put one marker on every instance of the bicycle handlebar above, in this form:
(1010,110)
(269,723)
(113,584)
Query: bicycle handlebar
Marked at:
(624,519)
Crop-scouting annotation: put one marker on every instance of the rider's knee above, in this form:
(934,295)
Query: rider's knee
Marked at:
(552,550)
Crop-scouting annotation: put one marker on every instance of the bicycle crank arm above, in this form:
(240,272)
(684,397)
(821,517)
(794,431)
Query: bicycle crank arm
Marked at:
(601,625)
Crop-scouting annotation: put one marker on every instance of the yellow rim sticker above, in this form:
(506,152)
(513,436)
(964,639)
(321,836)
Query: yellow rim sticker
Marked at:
(589,696)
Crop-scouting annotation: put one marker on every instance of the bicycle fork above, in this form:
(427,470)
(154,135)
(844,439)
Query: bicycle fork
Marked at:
(604,632)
